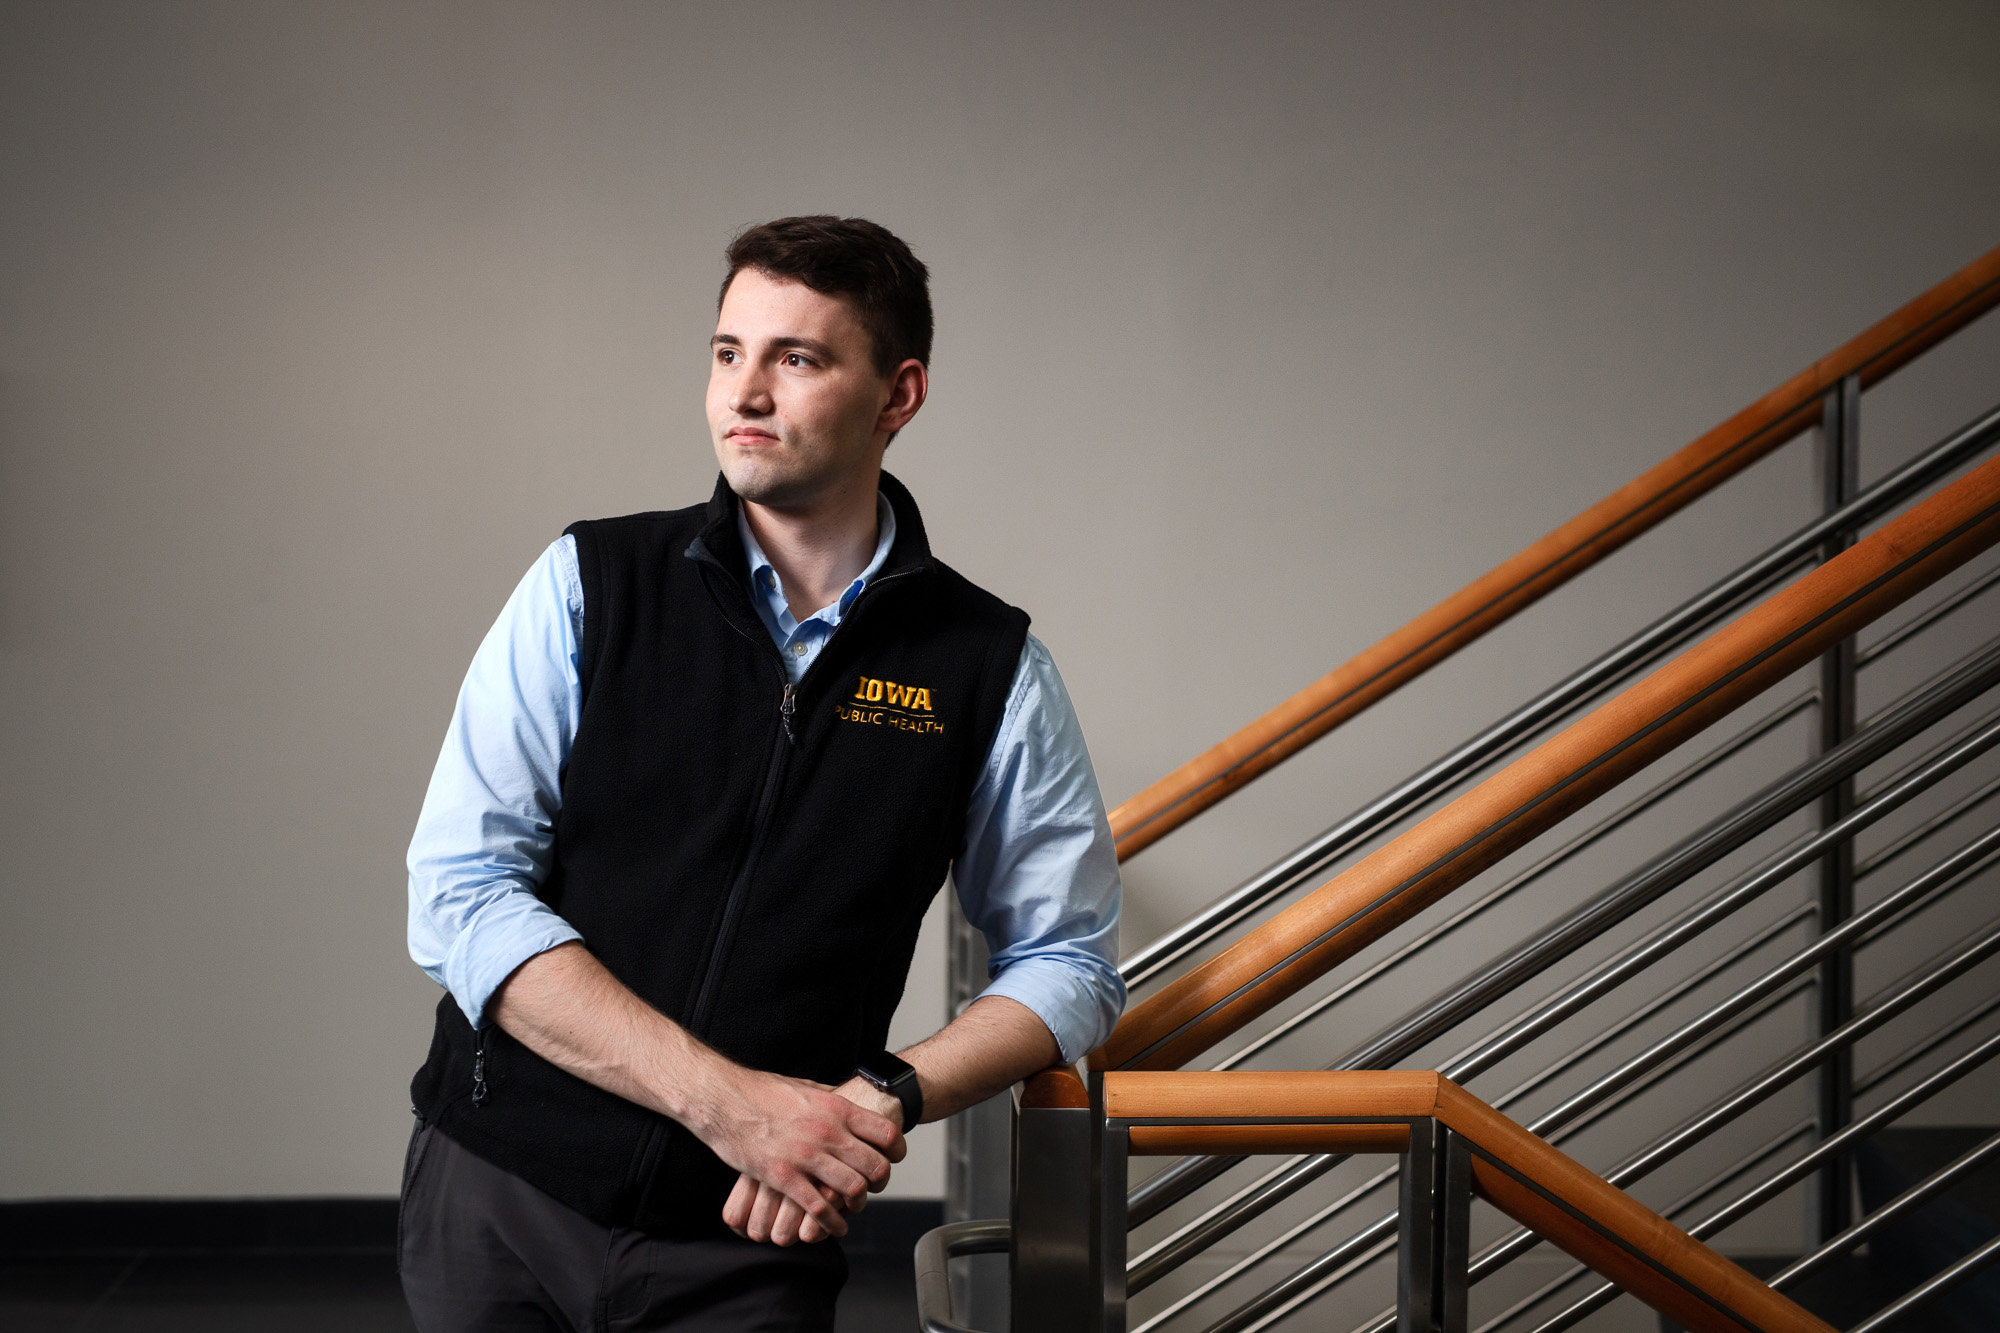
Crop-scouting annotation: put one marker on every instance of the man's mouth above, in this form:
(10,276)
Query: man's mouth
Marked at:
(746,435)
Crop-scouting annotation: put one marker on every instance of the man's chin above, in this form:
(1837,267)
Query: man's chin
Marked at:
(772,487)
(770,492)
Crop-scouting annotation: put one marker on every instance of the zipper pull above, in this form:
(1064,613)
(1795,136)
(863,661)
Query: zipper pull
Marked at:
(785,706)
(479,1068)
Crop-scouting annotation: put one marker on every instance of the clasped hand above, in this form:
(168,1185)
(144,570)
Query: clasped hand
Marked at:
(808,1154)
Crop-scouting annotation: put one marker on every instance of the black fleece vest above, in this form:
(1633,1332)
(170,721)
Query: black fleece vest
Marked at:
(752,860)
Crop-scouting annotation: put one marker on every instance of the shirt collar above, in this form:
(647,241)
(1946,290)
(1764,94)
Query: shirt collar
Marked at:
(773,587)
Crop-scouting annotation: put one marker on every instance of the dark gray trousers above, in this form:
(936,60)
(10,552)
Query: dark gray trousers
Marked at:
(479,1248)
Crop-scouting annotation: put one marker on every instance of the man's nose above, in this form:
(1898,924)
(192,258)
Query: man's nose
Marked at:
(753,393)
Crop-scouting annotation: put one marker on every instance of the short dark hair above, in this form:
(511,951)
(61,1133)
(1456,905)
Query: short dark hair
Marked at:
(852,257)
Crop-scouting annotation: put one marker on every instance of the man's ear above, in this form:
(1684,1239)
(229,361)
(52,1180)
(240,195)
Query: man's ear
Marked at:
(908,388)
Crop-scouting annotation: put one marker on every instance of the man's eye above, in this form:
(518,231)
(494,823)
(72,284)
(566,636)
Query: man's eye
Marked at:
(794,359)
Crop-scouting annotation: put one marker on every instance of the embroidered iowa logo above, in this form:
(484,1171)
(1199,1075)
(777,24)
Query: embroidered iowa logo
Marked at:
(884,703)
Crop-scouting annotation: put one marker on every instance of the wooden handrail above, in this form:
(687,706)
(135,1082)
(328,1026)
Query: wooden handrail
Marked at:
(1489,601)
(1588,758)
(1538,1186)
(1057,1088)
(1204,1095)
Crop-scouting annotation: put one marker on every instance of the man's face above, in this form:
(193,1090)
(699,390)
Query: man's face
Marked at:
(795,405)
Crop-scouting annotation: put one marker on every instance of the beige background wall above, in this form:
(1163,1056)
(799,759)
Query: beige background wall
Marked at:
(1261,327)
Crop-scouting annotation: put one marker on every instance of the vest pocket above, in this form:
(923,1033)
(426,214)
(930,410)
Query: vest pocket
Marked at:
(644,1172)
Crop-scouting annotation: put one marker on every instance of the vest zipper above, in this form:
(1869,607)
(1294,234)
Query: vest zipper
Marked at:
(479,1068)
(732,907)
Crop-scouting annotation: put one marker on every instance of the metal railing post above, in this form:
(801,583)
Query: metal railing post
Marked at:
(1107,1176)
(1839,476)
(1433,1230)
(1417,1229)
(1454,1248)
(1055,1281)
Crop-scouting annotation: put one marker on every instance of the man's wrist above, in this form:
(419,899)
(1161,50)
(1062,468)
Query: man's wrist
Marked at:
(871,1098)
(698,1103)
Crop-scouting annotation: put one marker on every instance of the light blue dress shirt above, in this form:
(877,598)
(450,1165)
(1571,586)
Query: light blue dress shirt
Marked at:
(1038,874)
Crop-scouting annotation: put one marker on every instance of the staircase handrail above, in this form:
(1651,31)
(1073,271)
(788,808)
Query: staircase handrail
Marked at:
(1624,661)
(1534,1183)
(1646,721)
(1547,564)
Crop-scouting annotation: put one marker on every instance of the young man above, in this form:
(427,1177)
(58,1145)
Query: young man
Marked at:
(705,775)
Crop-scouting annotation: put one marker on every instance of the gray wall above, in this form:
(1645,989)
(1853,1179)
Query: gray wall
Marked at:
(1261,327)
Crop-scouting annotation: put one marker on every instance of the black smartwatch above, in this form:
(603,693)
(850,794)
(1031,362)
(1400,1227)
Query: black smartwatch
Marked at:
(895,1077)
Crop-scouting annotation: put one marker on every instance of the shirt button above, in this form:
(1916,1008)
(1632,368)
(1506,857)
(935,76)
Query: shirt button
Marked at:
(798,650)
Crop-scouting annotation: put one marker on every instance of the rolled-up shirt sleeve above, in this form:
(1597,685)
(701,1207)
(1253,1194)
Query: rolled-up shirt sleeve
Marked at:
(484,838)
(1038,875)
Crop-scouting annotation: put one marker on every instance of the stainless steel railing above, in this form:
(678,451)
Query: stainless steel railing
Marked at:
(1879,740)
(1582,687)
(1892,727)
(1582,1109)
(1571,1117)
(1572,1004)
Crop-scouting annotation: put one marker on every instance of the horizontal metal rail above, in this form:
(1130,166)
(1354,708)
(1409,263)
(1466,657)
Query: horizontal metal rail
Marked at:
(1892,793)
(1950,815)
(1642,649)
(1795,1067)
(1311,1282)
(1561,856)
(1348,1257)
(1319,1165)
(1664,1057)
(1897,1000)
(1666,999)
(1512,1246)
(1666,872)
(1945,878)
(1937,1182)
(1920,984)
(1152,1197)
(1613,1096)
(1902,634)
(1260,1195)
(1897,724)
(1249,1202)
(1832,1146)
(1268,1248)
(1869,1082)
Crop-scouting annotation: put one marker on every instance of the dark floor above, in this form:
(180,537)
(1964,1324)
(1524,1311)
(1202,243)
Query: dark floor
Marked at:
(316,1293)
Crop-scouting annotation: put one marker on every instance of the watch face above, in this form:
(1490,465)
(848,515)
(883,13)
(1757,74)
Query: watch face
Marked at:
(884,1069)
(900,1082)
